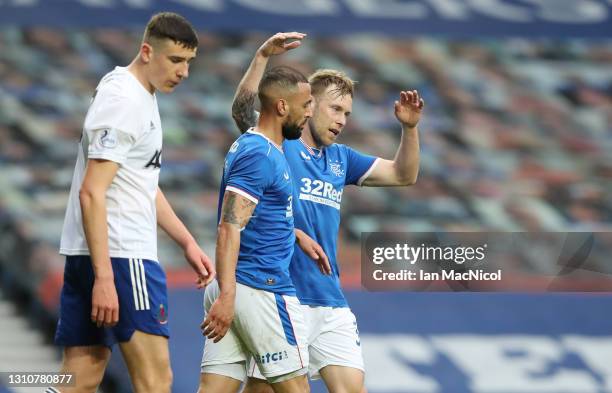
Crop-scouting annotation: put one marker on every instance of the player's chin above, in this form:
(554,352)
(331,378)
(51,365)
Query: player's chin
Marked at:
(169,87)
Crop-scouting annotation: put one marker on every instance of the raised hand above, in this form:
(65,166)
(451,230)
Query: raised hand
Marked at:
(280,43)
(408,108)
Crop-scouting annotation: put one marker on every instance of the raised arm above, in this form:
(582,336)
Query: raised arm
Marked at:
(404,168)
(236,212)
(174,227)
(243,106)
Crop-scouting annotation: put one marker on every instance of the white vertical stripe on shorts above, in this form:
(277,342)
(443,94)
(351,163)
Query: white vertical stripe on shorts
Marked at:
(144,285)
(134,290)
(138,284)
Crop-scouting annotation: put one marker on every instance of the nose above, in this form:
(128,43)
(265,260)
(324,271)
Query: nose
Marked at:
(341,120)
(183,71)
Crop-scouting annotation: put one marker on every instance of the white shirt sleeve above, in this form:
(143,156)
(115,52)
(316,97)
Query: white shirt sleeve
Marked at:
(112,128)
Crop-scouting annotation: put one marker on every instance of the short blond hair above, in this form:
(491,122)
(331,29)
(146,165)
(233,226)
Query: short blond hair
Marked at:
(321,79)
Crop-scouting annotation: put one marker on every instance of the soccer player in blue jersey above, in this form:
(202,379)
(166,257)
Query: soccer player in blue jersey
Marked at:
(114,287)
(321,169)
(251,309)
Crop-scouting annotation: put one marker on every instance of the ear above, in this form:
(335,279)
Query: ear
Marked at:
(146,52)
(282,107)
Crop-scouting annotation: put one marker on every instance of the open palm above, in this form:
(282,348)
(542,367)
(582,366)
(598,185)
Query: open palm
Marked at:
(409,107)
(280,43)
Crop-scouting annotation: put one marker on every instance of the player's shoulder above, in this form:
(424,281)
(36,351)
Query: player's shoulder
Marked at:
(119,85)
(338,149)
(250,146)
(255,143)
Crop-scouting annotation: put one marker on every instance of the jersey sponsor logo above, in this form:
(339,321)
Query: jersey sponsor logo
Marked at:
(271,357)
(336,168)
(155,161)
(319,191)
(108,138)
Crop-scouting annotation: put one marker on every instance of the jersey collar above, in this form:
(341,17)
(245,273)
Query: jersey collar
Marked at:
(317,153)
(252,131)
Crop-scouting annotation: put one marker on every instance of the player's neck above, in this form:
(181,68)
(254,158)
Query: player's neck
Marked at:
(271,128)
(136,67)
(308,139)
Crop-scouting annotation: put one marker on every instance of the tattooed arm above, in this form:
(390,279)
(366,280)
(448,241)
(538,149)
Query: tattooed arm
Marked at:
(243,106)
(236,212)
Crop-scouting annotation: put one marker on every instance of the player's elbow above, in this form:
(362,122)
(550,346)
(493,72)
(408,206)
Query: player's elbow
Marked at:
(88,195)
(406,179)
(238,117)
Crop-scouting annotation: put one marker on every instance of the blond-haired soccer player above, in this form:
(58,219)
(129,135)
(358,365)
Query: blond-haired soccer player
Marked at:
(114,287)
(321,169)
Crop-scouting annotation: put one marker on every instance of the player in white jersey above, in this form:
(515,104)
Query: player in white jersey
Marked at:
(321,169)
(114,287)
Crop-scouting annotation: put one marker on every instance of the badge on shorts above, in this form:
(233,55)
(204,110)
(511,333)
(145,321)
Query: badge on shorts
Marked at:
(162,315)
(270,281)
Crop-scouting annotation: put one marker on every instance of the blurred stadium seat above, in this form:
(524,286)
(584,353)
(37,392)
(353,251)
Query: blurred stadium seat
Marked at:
(516,137)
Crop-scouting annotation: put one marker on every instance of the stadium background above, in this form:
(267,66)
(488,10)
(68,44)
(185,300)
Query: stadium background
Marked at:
(516,137)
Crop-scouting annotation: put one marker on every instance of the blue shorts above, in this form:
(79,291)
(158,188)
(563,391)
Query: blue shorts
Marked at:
(143,302)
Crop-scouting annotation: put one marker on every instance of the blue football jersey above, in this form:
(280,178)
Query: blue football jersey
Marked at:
(256,168)
(319,178)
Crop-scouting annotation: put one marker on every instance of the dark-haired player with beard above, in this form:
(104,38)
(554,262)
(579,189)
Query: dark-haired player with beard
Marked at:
(252,309)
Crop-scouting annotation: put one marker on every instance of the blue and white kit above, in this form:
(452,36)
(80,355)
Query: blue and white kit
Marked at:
(268,322)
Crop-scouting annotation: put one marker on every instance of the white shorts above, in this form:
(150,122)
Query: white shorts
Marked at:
(333,340)
(267,327)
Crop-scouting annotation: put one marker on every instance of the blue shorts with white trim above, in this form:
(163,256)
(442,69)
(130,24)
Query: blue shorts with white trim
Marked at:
(143,302)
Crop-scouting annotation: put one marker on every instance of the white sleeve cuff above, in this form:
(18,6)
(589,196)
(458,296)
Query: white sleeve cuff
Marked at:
(242,193)
(368,172)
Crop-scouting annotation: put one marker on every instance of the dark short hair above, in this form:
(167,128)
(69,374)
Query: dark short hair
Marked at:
(283,77)
(168,25)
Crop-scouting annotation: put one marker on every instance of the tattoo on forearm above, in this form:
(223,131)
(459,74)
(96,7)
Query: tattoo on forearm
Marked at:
(243,110)
(236,210)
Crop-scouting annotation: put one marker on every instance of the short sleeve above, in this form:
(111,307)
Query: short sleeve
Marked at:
(250,175)
(112,128)
(359,166)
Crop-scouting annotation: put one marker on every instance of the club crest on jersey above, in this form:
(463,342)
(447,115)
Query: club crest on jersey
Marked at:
(108,138)
(336,168)
(162,315)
